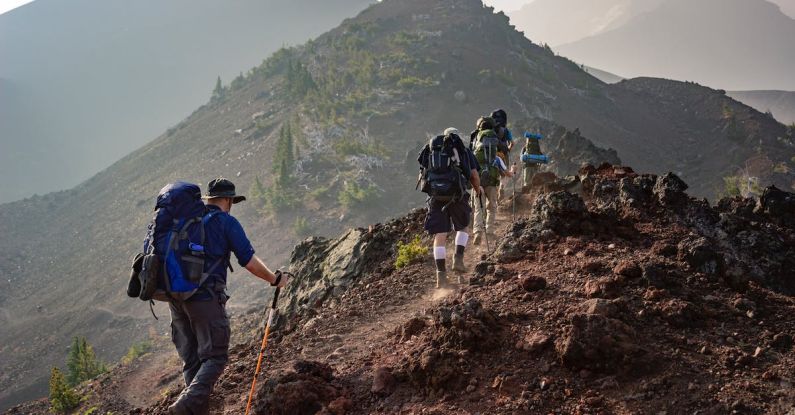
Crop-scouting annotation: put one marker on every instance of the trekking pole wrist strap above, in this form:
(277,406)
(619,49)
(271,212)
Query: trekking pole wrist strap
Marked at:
(278,279)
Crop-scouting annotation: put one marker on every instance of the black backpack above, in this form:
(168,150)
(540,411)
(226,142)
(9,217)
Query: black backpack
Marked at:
(442,174)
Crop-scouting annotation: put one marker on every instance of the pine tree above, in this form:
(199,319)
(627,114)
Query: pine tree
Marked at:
(62,397)
(284,158)
(82,362)
(218,91)
(73,363)
(257,193)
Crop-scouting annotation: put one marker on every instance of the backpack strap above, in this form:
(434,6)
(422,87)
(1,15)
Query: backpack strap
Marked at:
(205,220)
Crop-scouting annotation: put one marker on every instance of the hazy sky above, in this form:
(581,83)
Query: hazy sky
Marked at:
(787,5)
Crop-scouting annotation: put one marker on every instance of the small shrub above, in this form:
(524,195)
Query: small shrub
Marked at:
(301,227)
(732,186)
(136,350)
(410,253)
(353,195)
(782,168)
(412,82)
(62,397)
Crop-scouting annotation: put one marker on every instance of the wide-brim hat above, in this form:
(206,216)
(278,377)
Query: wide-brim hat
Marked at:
(222,188)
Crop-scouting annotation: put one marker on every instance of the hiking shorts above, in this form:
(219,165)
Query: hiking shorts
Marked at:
(456,216)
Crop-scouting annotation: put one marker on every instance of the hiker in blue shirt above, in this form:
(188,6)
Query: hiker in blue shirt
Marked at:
(199,325)
(506,137)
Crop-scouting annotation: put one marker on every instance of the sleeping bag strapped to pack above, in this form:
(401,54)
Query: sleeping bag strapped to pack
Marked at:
(172,265)
(442,178)
(487,148)
(531,154)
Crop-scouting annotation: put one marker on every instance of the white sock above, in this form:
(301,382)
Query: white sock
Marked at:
(439,252)
(461,238)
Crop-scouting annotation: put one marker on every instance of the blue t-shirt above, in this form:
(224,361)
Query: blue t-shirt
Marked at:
(507,135)
(224,235)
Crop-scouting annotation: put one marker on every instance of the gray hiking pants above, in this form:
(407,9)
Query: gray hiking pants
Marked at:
(200,331)
(528,171)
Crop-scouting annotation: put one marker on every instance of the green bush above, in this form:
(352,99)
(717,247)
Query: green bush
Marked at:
(136,350)
(62,397)
(82,362)
(301,227)
(409,253)
(731,186)
(412,82)
(353,195)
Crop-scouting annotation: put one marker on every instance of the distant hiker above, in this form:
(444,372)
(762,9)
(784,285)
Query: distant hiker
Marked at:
(199,324)
(531,159)
(448,171)
(500,118)
(491,154)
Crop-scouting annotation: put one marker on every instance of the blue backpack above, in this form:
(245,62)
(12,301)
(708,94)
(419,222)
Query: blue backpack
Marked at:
(172,265)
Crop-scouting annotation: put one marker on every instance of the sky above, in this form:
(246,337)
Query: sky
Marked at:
(506,5)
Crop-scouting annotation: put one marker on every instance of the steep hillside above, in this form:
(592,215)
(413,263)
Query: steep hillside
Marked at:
(109,75)
(323,137)
(624,297)
(706,47)
(780,103)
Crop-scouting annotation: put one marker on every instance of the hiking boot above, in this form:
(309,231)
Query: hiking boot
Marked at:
(441,279)
(458,264)
(178,408)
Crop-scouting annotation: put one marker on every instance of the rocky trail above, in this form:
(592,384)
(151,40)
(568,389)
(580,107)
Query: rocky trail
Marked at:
(621,296)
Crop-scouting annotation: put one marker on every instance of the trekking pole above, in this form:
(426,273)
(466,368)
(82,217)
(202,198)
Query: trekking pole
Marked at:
(483,217)
(513,202)
(271,311)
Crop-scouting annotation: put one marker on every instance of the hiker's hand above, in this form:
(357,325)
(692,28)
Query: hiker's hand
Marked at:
(281,279)
(284,281)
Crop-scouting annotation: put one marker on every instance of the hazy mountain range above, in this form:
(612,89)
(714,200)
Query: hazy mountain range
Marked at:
(726,44)
(84,82)
(780,103)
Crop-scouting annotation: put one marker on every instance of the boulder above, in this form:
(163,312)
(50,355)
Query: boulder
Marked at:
(778,206)
(699,254)
(628,269)
(670,190)
(383,381)
(605,287)
(597,343)
(532,283)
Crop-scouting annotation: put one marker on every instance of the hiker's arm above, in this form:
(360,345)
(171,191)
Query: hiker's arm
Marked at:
(258,268)
(474,179)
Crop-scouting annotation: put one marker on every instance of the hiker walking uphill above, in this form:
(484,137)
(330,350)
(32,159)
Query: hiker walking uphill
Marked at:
(448,169)
(491,154)
(187,253)
(532,159)
(500,118)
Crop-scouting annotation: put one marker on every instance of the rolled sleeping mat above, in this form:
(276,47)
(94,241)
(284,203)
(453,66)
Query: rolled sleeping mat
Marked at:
(535,158)
(528,134)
